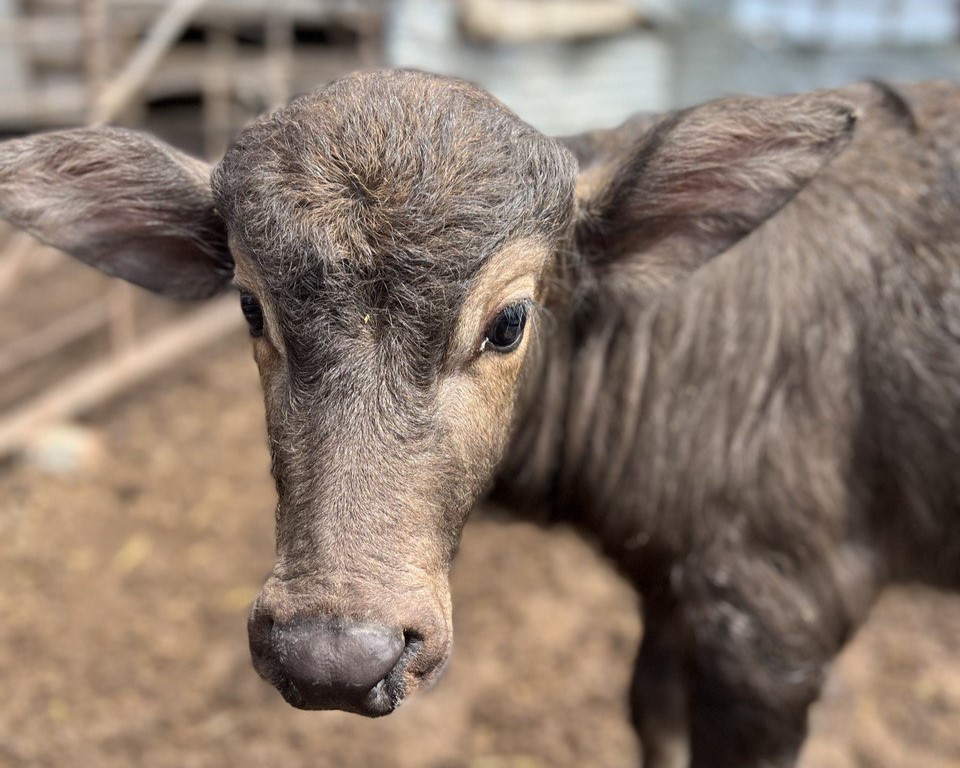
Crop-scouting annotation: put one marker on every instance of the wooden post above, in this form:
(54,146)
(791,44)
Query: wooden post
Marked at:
(279,54)
(218,89)
(163,34)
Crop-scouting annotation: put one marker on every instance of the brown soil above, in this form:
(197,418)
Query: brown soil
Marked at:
(124,594)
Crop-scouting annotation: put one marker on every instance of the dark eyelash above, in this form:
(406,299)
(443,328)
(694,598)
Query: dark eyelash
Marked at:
(253,313)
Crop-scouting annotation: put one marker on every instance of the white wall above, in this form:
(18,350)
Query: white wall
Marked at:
(12,74)
(560,87)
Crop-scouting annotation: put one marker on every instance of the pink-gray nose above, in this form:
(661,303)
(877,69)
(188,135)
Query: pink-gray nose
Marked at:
(320,663)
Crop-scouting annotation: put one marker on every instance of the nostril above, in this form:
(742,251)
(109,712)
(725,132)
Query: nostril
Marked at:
(259,626)
(260,621)
(260,639)
(412,640)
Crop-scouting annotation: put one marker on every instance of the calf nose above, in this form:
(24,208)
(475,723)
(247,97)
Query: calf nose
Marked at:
(335,664)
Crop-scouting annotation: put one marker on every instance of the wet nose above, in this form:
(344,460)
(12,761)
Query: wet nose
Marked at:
(331,663)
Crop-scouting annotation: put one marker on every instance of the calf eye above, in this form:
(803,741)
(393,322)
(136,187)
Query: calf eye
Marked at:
(506,331)
(253,313)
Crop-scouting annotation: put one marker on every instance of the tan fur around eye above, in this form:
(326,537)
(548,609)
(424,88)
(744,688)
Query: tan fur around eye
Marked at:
(511,275)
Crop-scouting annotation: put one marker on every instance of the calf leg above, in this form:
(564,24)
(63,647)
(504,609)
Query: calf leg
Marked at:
(658,695)
(763,631)
(734,727)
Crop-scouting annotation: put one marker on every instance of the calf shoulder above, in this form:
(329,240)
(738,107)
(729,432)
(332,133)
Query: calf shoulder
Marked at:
(798,394)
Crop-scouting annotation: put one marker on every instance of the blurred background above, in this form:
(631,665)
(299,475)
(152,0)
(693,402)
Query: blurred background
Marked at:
(136,508)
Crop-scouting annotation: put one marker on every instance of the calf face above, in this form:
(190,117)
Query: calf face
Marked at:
(394,238)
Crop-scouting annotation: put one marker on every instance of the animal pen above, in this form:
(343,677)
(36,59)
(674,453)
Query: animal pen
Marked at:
(103,61)
(127,582)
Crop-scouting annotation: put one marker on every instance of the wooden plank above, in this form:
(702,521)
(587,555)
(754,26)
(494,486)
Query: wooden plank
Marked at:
(68,328)
(96,385)
(14,260)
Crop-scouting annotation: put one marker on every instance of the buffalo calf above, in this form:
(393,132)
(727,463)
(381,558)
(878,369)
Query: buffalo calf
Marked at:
(724,341)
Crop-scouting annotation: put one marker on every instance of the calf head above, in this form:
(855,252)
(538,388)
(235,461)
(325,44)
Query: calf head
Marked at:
(391,237)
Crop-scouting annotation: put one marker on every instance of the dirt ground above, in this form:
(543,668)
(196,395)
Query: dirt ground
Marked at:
(124,588)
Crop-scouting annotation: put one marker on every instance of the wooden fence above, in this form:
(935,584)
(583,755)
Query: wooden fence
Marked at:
(127,48)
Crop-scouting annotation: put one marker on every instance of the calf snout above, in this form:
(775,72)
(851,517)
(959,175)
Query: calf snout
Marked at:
(325,663)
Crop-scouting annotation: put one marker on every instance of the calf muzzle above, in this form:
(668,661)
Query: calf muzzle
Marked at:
(324,663)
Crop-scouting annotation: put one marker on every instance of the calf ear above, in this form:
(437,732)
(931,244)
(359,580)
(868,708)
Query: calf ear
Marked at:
(703,178)
(604,145)
(122,202)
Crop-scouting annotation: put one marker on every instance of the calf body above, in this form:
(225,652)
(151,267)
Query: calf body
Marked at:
(772,439)
(723,342)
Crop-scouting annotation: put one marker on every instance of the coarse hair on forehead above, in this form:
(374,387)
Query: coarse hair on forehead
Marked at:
(399,175)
